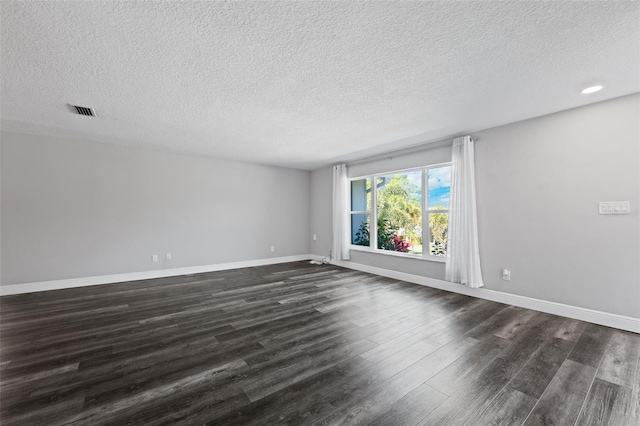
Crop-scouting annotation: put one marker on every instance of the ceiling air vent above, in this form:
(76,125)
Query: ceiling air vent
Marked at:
(84,111)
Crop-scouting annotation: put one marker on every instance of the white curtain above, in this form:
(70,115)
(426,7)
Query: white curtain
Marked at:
(341,213)
(463,254)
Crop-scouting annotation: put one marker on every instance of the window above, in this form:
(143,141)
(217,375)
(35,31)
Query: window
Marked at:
(399,212)
(438,190)
(408,208)
(360,211)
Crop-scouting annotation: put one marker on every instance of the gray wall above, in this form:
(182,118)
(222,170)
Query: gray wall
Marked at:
(538,186)
(322,210)
(0,209)
(76,209)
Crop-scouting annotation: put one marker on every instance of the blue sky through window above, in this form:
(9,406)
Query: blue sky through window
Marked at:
(415,180)
(439,185)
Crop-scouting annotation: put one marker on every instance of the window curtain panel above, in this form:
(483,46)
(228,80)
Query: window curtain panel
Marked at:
(463,253)
(341,215)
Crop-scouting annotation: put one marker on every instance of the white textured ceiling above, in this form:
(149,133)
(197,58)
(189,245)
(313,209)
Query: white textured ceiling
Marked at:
(304,84)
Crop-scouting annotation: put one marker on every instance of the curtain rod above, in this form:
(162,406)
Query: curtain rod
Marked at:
(408,150)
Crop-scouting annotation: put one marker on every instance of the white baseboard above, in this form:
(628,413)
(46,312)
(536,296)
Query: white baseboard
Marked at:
(583,314)
(7,290)
(589,315)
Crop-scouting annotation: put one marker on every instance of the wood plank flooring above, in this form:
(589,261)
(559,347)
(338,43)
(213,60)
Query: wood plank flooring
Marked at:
(304,344)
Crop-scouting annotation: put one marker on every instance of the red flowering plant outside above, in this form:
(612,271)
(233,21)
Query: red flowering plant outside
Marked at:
(388,239)
(401,244)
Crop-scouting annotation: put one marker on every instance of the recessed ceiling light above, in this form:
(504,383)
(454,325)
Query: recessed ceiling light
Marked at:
(591,89)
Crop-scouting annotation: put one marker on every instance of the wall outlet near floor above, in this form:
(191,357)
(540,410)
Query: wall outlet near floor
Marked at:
(315,237)
(273,248)
(154,258)
(167,256)
(506,274)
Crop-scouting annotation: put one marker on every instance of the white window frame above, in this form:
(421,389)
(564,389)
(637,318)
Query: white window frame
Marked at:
(373,219)
(369,213)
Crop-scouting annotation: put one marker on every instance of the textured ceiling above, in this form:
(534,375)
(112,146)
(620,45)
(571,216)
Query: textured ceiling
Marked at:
(304,84)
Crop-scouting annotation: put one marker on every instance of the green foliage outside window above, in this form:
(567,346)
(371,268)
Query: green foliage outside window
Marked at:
(399,224)
(439,226)
(388,239)
(399,207)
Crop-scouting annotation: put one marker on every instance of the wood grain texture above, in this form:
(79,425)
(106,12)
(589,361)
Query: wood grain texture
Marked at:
(606,404)
(537,373)
(635,397)
(563,399)
(620,359)
(463,370)
(591,345)
(303,344)
(509,408)
(412,408)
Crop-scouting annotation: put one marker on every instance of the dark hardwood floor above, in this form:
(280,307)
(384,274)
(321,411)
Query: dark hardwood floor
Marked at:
(303,344)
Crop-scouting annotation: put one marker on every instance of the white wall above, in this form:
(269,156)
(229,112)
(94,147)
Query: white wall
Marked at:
(76,209)
(539,182)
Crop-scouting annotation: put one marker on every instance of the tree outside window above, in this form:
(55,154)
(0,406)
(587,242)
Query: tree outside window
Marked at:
(399,210)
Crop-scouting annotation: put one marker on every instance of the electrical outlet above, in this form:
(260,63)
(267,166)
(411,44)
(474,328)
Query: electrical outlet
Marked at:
(273,248)
(315,237)
(506,275)
(154,258)
(168,256)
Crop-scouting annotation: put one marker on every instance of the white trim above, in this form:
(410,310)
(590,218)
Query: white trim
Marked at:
(432,258)
(373,219)
(373,214)
(589,315)
(408,169)
(426,231)
(423,257)
(7,290)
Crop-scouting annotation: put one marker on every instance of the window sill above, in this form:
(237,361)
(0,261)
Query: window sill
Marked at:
(437,259)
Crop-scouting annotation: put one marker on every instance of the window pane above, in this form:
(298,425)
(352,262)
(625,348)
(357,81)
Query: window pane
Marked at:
(439,187)
(360,229)
(438,231)
(361,195)
(399,207)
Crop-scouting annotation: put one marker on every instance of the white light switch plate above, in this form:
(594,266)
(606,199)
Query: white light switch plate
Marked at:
(614,207)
